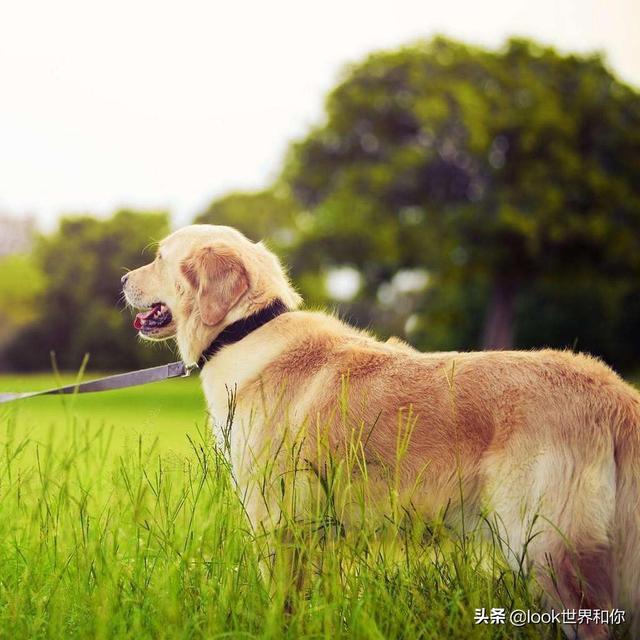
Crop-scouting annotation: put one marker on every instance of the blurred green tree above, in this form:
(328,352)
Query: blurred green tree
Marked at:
(80,308)
(21,284)
(494,170)
(261,215)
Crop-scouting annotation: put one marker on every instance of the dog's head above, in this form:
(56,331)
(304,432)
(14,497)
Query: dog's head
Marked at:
(204,278)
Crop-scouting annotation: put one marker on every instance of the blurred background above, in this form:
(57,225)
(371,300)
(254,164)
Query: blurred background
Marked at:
(463,175)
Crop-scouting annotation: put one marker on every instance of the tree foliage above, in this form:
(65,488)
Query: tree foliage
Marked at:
(21,283)
(80,309)
(494,168)
(260,215)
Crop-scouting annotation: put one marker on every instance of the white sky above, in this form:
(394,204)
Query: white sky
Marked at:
(168,104)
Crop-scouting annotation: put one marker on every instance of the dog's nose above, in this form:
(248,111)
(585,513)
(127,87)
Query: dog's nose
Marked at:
(124,279)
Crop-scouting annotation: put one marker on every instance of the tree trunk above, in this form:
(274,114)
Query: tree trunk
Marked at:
(498,323)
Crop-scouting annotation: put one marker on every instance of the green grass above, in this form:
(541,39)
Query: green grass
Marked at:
(166,412)
(119,519)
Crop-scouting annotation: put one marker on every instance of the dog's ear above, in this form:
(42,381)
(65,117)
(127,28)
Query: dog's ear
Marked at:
(219,279)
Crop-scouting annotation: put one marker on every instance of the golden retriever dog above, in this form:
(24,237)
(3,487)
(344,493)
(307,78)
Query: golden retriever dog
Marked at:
(546,441)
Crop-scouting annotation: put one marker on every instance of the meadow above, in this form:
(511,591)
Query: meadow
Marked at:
(119,519)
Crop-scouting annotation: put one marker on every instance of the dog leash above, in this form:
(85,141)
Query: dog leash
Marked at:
(109,383)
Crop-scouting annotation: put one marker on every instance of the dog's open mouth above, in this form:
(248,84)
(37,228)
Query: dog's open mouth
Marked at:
(157,317)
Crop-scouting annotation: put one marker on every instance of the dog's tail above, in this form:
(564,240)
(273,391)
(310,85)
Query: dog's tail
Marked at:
(627,510)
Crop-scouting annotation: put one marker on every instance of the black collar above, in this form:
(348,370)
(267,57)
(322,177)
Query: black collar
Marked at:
(242,328)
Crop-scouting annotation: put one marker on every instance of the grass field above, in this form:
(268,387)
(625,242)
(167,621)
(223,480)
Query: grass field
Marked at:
(166,412)
(118,519)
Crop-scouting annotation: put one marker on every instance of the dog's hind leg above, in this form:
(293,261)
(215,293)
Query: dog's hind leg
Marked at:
(554,513)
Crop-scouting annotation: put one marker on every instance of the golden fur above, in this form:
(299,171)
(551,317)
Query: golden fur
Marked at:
(545,439)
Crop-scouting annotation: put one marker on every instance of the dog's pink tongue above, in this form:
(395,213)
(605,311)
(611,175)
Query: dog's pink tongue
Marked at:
(141,318)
